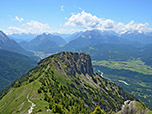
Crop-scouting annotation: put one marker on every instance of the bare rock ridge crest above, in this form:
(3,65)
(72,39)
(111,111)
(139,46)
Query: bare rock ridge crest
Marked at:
(76,63)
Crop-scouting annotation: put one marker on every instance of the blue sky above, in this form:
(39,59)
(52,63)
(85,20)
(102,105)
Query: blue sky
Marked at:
(67,16)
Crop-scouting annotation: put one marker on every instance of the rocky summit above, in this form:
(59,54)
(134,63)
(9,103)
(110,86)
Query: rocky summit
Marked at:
(63,83)
(77,63)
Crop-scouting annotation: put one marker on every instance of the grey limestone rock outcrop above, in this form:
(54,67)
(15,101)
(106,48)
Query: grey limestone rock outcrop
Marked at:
(130,107)
(76,63)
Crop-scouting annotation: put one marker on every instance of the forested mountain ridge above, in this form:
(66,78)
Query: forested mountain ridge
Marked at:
(12,66)
(63,83)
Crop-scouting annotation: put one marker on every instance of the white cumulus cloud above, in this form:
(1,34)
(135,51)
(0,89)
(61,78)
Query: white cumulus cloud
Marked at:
(19,19)
(79,22)
(83,20)
(15,30)
(131,26)
(88,21)
(108,24)
(34,27)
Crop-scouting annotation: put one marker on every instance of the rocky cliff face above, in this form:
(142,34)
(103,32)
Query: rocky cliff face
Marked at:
(73,63)
(77,63)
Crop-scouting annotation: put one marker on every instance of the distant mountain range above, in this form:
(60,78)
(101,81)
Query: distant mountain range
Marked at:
(138,37)
(22,37)
(49,43)
(45,43)
(83,39)
(11,45)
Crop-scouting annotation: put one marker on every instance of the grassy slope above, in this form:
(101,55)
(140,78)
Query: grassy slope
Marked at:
(18,102)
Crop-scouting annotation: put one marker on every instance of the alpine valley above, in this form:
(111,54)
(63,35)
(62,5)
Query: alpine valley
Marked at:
(65,80)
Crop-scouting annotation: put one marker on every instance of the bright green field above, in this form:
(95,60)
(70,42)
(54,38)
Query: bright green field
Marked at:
(133,65)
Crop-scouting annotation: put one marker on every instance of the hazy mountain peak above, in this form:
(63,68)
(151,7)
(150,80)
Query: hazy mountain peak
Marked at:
(11,45)
(3,36)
